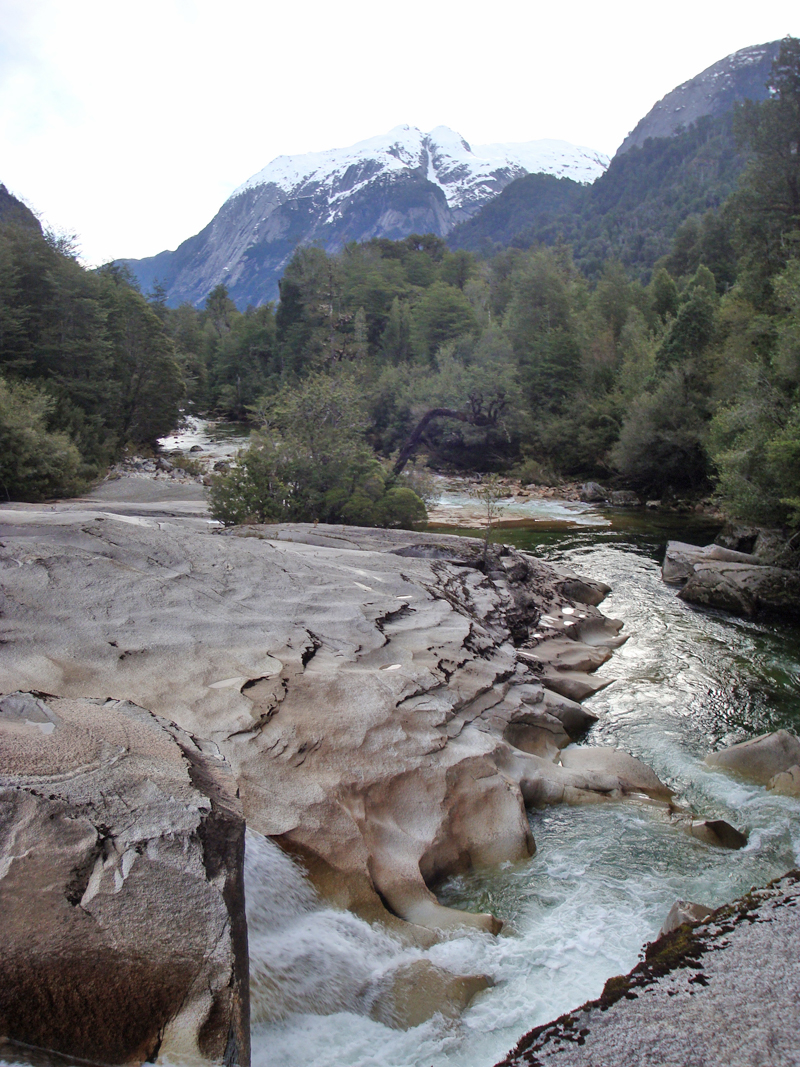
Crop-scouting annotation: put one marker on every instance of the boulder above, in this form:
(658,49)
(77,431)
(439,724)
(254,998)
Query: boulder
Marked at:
(681,560)
(419,990)
(737,536)
(723,578)
(761,758)
(631,774)
(625,498)
(720,992)
(121,887)
(593,493)
(786,783)
(684,911)
(714,832)
(708,588)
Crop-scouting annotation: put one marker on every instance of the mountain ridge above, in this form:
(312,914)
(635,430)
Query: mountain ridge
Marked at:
(391,185)
(742,75)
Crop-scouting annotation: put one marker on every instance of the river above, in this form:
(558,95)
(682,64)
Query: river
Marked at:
(603,877)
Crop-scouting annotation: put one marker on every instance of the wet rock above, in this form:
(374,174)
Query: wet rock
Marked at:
(593,493)
(625,498)
(121,854)
(715,832)
(760,758)
(786,783)
(420,990)
(631,775)
(722,578)
(684,911)
(196,448)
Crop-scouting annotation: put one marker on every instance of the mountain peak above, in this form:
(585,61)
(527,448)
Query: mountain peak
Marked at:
(740,76)
(397,183)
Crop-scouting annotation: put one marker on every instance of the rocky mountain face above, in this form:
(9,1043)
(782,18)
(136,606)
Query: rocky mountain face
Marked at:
(14,213)
(740,76)
(686,161)
(399,183)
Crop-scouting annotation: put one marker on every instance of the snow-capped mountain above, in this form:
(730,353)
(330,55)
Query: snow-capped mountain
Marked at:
(402,182)
(467,176)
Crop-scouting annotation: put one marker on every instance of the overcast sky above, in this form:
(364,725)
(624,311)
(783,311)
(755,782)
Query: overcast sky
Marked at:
(129,123)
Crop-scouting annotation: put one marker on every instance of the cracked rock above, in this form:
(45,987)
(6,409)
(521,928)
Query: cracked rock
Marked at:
(121,891)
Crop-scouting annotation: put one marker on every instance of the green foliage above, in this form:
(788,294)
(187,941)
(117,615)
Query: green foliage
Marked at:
(443,314)
(92,346)
(34,463)
(661,450)
(309,462)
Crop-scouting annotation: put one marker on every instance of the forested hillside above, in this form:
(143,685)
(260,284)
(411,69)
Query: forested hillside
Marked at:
(631,213)
(86,366)
(551,360)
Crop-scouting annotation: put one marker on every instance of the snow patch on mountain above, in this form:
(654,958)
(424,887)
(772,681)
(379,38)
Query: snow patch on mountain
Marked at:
(465,175)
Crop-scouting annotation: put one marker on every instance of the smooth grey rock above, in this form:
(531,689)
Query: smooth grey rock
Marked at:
(786,783)
(681,560)
(121,887)
(760,758)
(632,775)
(361,696)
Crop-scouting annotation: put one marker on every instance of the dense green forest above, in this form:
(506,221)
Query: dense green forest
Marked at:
(550,358)
(86,364)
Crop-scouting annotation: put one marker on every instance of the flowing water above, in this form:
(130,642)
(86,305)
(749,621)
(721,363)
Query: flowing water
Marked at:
(603,877)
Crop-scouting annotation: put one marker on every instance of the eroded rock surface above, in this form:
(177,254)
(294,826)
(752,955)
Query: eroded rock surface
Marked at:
(388,704)
(121,887)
